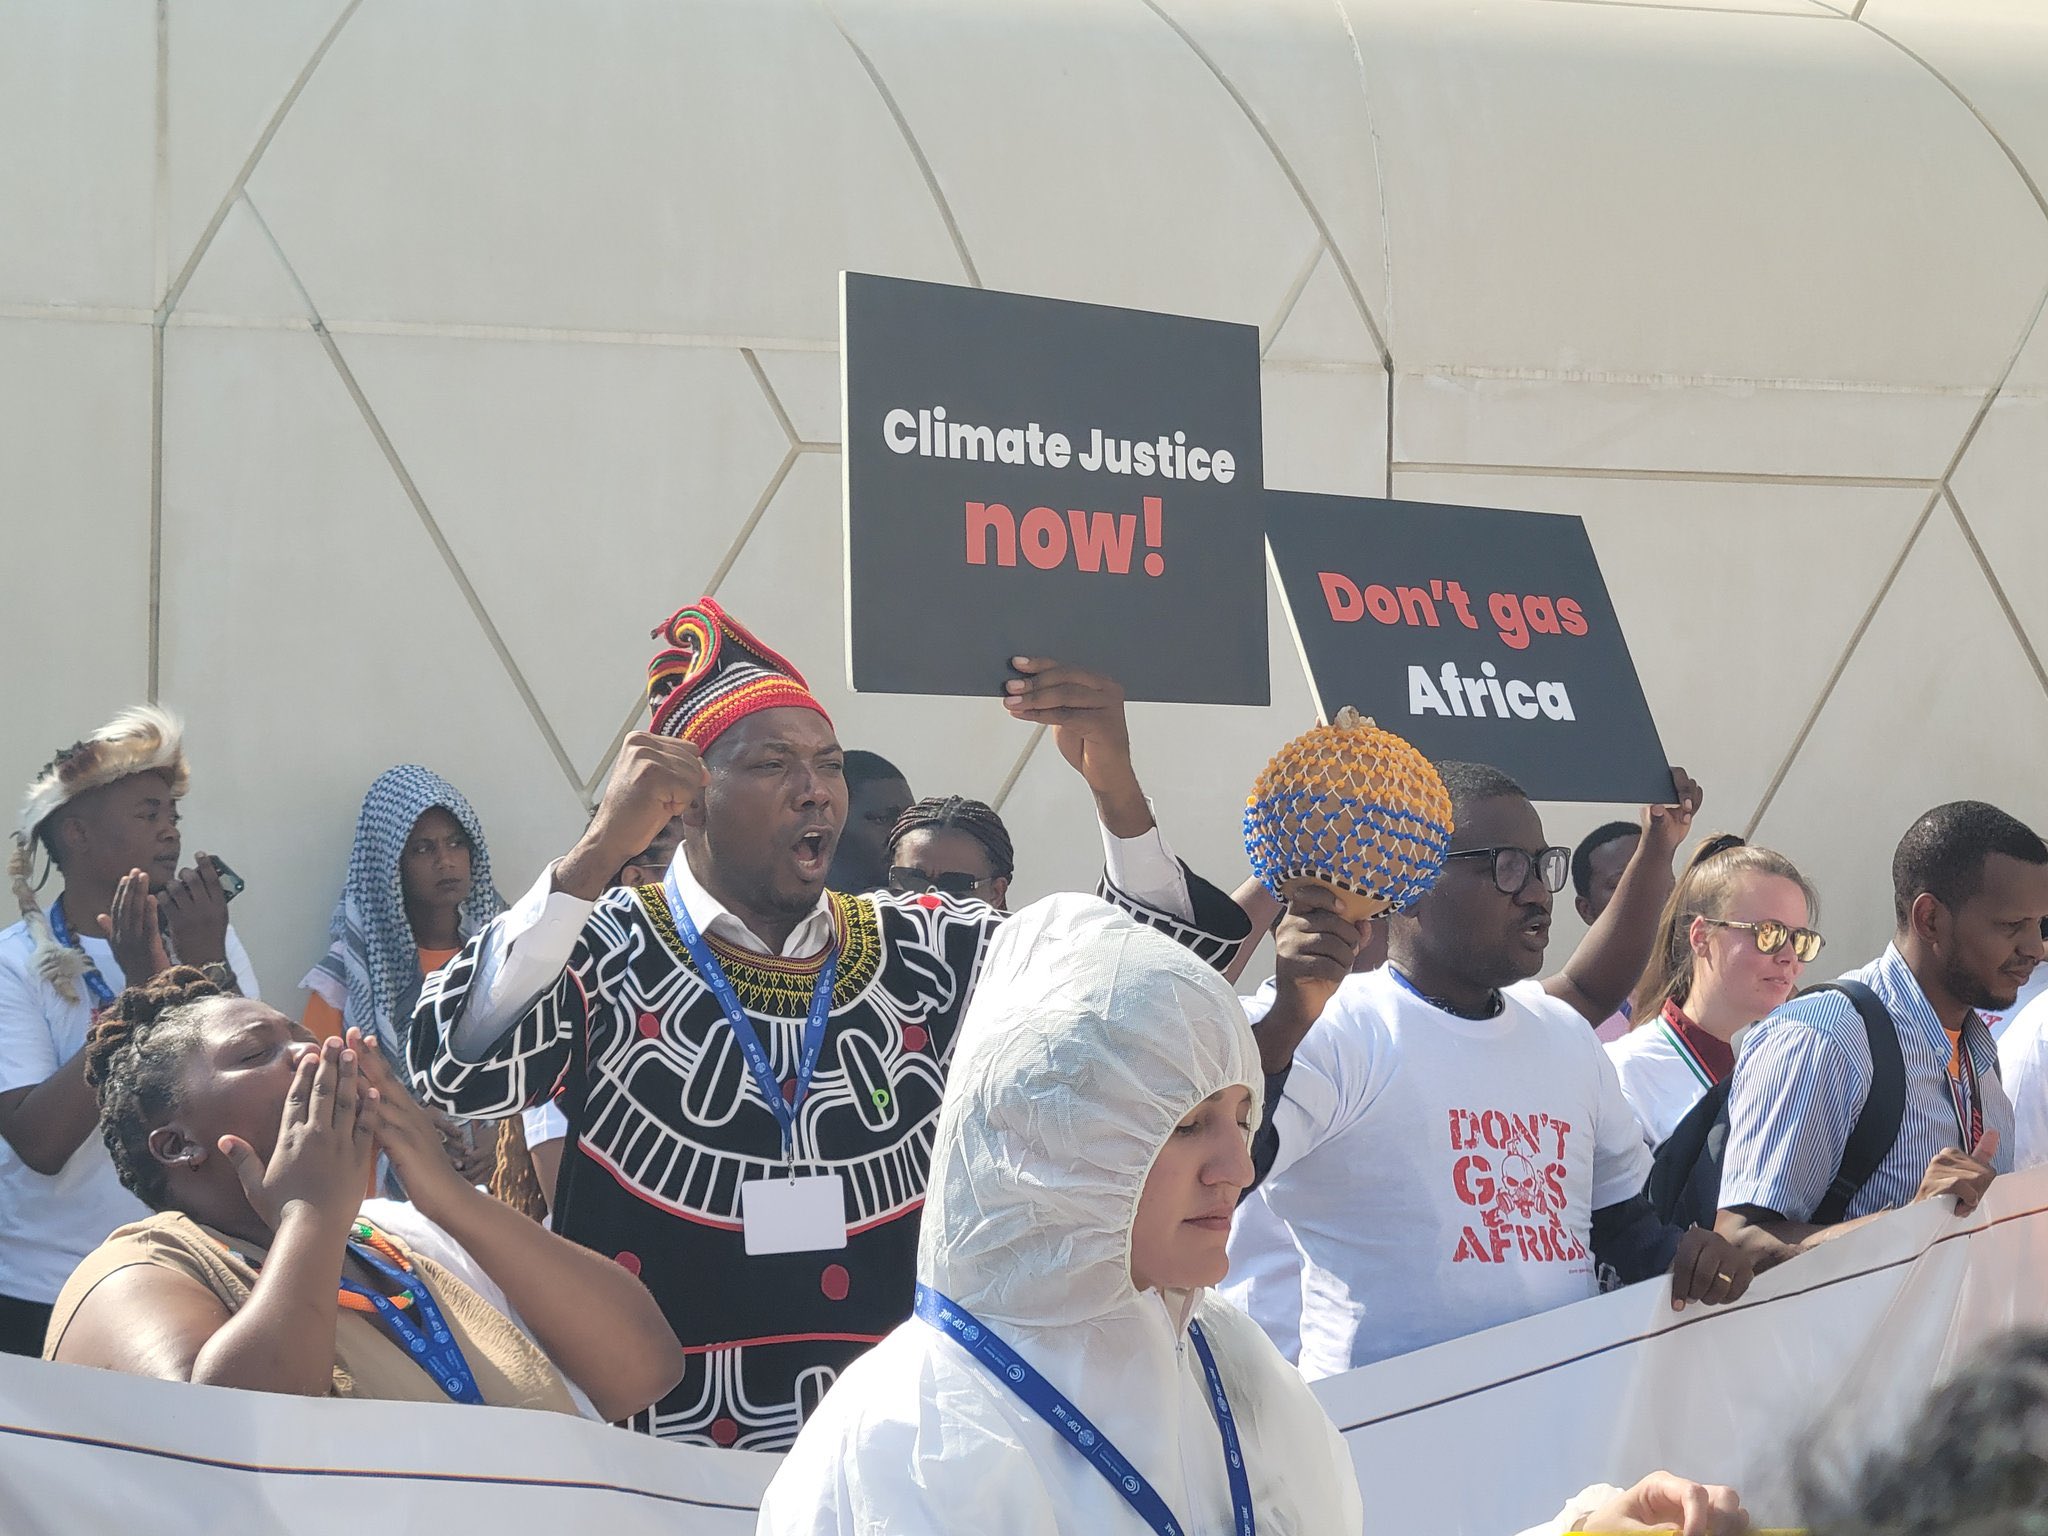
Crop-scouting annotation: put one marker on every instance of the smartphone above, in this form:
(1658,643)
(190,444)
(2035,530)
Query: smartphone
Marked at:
(231,884)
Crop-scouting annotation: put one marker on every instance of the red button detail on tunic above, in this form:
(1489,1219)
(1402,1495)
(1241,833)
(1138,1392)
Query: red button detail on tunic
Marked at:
(835,1282)
(724,1431)
(914,1037)
(650,1026)
(627,1260)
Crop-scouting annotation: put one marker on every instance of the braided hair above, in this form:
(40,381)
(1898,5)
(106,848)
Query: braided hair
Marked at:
(132,1060)
(977,819)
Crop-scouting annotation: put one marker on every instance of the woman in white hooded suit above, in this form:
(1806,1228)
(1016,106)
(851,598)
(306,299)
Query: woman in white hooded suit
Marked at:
(1099,1061)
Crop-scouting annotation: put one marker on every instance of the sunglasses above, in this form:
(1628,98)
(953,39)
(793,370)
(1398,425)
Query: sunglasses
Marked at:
(1772,936)
(907,880)
(1512,866)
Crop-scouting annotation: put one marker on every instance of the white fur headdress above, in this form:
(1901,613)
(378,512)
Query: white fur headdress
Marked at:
(145,739)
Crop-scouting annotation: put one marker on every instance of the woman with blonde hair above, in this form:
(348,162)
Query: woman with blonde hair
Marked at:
(1733,939)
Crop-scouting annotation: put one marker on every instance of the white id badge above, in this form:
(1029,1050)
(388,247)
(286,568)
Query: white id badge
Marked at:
(804,1215)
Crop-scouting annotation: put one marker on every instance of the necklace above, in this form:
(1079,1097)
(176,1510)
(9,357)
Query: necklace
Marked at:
(1494,1001)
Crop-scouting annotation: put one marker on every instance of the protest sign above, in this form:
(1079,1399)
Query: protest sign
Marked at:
(1479,635)
(1030,477)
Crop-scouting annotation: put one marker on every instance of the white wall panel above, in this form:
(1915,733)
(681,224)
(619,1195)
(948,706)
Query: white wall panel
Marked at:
(1939,703)
(74,533)
(1733,279)
(312,637)
(77,152)
(635,165)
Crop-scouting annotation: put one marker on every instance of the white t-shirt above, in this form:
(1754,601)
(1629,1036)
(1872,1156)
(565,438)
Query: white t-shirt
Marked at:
(543,1123)
(1440,1174)
(1658,1079)
(1265,1274)
(1998,1021)
(1265,1266)
(2023,1067)
(49,1222)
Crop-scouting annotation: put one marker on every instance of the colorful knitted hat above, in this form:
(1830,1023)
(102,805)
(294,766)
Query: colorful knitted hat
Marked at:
(144,739)
(712,674)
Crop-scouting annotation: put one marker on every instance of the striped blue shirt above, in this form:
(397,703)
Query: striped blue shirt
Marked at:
(1802,1076)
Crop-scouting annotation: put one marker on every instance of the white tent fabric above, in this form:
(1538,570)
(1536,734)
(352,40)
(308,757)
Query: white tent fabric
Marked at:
(1089,1038)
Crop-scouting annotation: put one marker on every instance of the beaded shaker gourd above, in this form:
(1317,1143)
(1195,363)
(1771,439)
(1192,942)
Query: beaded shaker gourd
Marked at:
(1354,809)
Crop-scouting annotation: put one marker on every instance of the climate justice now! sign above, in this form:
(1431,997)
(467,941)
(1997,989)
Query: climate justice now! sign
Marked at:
(1031,477)
(1480,635)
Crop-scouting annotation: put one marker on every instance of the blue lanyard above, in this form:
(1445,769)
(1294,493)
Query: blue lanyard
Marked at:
(432,1345)
(1438,1003)
(95,983)
(743,1027)
(1046,1400)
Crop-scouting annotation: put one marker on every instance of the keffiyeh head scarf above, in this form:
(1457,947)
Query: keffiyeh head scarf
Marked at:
(374,954)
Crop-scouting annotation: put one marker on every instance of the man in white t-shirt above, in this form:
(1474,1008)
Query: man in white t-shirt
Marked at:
(2000,1020)
(1448,1144)
(104,814)
(2023,1068)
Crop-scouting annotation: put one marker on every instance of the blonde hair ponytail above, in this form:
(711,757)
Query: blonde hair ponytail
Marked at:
(1706,888)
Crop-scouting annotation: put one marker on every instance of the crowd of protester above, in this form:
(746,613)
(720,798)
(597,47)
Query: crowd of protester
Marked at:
(759,1091)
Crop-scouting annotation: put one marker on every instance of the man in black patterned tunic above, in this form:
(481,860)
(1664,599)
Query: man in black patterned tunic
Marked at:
(779,1236)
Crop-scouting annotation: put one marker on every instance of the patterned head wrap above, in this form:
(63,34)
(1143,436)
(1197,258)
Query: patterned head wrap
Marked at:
(145,739)
(712,673)
(374,954)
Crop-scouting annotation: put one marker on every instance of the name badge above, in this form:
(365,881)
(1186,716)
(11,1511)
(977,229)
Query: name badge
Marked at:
(782,1215)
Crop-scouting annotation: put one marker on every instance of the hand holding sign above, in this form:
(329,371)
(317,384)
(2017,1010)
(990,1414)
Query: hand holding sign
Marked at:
(1086,713)
(1665,826)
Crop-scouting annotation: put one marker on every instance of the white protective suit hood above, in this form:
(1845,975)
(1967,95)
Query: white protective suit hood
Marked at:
(1089,1037)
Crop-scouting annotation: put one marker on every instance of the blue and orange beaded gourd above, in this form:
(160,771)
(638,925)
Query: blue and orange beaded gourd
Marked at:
(1354,809)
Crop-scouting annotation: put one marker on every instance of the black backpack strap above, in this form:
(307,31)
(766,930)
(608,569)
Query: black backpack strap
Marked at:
(1685,1168)
(1884,1109)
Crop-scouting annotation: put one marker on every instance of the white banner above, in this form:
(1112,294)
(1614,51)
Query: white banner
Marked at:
(1494,1432)
(1479,1437)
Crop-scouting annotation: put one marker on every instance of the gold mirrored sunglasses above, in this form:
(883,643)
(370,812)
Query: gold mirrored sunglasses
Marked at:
(1771,935)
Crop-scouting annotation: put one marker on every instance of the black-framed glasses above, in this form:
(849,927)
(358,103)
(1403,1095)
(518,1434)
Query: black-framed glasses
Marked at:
(908,880)
(1771,935)
(1513,866)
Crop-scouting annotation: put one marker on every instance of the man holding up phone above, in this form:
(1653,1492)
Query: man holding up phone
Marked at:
(104,815)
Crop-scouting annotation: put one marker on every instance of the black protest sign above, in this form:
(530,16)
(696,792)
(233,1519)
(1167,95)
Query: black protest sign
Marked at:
(1480,635)
(1029,477)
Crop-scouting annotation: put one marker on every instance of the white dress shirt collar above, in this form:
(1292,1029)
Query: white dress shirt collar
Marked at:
(713,918)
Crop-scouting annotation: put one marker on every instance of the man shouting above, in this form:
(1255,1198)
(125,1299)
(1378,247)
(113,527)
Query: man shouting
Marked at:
(750,1064)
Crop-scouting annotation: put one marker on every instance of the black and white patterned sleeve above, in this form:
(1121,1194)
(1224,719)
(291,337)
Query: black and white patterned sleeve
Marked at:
(1216,930)
(525,1063)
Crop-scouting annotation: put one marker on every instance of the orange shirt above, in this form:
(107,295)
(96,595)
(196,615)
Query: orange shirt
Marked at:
(323,1020)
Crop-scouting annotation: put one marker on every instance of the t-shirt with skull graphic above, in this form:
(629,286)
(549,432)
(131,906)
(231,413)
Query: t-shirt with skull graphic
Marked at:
(1440,1174)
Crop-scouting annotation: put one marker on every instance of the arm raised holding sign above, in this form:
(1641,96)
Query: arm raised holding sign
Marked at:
(1085,711)
(1609,961)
